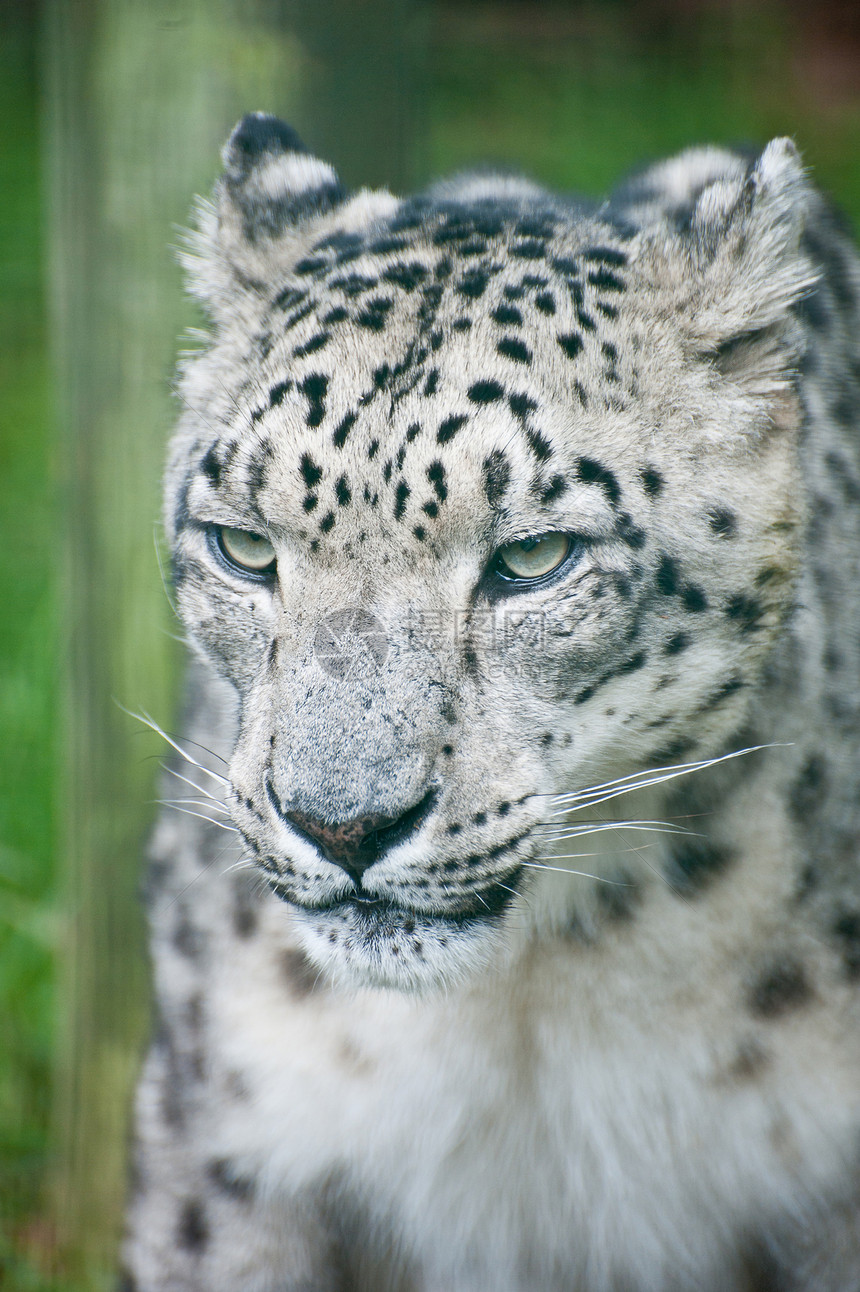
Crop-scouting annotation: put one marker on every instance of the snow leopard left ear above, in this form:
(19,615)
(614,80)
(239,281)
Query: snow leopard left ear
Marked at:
(271,194)
(734,265)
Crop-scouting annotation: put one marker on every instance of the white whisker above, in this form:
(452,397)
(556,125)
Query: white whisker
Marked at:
(159,731)
(220,824)
(171,771)
(594,794)
(207,802)
(583,874)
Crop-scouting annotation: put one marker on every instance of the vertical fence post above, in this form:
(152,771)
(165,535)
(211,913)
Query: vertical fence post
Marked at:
(140,94)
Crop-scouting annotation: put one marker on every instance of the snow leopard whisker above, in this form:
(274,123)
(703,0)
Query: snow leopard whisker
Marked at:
(573,830)
(594,794)
(207,802)
(171,771)
(583,874)
(159,731)
(222,825)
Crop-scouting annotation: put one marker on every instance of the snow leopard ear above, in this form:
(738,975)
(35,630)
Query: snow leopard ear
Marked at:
(270,193)
(735,265)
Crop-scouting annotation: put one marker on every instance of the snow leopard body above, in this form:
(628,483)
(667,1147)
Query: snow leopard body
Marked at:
(522,952)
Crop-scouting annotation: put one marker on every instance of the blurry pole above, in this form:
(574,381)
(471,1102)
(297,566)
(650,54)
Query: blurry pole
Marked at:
(140,94)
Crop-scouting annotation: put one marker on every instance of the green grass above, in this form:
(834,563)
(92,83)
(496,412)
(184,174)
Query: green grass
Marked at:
(29,692)
(576,95)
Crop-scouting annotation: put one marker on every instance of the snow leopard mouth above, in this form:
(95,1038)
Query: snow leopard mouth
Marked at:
(376,915)
(374,942)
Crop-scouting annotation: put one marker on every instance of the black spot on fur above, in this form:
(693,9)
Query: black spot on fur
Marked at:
(722,692)
(485,392)
(722,521)
(677,643)
(512,348)
(652,481)
(343,430)
(585,320)
(211,466)
(674,750)
(605,255)
(311,473)
(545,302)
(353,284)
(781,987)
(431,509)
(228,1181)
(521,406)
(745,611)
(413,432)
(337,315)
(192,1232)
(374,314)
(591,472)
(507,315)
(449,428)
(693,598)
(372,449)
(436,476)
(539,445)
(694,863)
(531,249)
(342,492)
(556,486)
(420,532)
(317,342)
(276,394)
(497,475)
(571,343)
(310,265)
(473,284)
(327,522)
(289,297)
(431,385)
(631,665)
(845,928)
(314,389)
(407,276)
(629,532)
(401,494)
(607,281)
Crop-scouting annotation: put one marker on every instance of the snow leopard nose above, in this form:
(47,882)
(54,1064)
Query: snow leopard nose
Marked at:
(355,845)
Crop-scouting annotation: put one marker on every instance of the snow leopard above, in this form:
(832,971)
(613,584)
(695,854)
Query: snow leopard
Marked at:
(506,917)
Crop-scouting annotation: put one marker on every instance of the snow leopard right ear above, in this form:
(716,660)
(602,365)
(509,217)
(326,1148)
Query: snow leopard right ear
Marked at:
(271,192)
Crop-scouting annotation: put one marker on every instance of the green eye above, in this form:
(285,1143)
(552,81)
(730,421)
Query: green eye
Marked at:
(246,550)
(532,558)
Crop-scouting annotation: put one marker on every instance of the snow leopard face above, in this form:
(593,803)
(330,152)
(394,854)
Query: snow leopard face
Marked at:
(478,499)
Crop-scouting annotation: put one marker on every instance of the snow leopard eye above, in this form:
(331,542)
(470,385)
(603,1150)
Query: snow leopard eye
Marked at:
(246,551)
(533,558)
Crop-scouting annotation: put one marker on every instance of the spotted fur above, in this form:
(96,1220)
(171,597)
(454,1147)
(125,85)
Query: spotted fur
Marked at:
(532,958)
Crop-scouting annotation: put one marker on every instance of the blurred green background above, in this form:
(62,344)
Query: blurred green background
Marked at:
(111,116)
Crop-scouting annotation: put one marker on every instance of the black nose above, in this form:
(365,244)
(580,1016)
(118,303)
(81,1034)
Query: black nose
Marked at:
(355,845)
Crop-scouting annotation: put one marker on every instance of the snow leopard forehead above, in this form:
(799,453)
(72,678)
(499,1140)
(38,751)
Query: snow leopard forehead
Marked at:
(373,354)
(448,332)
